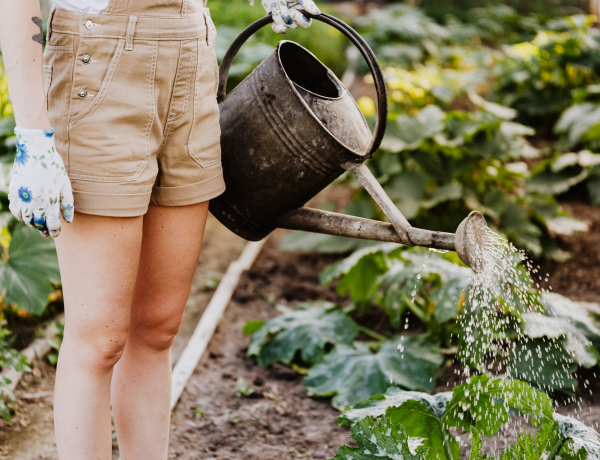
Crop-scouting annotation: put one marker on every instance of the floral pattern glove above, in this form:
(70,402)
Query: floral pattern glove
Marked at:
(286,13)
(40,189)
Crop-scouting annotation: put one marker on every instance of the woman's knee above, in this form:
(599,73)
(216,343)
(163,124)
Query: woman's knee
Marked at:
(96,351)
(157,333)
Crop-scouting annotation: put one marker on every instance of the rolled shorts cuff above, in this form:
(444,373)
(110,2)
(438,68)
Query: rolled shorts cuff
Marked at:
(112,205)
(186,195)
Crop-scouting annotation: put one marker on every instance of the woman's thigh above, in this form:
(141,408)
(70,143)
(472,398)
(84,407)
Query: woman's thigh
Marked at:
(99,258)
(172,239)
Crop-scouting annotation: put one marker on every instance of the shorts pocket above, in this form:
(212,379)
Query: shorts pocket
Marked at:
(204,143)
(58,74)
(109,138)
(47,80)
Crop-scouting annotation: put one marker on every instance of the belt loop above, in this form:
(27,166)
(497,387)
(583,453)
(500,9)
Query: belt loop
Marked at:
(130,33)
(49,25)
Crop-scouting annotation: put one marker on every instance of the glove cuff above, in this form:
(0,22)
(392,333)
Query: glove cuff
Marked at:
(35,133)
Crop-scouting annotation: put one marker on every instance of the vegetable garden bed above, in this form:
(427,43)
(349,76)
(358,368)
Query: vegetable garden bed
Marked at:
(277,419)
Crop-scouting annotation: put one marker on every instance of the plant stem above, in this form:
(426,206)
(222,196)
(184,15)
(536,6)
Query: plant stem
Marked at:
(556,448)
(415,309)
(445,434)
(374,335)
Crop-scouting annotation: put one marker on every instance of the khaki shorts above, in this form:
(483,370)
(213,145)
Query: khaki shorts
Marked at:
(133,103)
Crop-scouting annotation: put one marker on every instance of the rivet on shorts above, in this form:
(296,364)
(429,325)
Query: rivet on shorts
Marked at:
(82,93)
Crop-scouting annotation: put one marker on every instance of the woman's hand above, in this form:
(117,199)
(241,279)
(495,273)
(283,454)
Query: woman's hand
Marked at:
(40,190)
(287,15)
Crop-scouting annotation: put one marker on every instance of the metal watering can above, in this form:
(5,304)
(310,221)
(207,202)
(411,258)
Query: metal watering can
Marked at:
(315,131)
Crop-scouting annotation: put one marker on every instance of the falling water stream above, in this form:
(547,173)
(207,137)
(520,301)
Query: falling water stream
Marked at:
(500,287)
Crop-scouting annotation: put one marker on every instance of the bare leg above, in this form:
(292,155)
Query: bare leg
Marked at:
(141,388)
(98,259)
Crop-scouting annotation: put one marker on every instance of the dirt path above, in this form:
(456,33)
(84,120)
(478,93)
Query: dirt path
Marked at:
(30,434)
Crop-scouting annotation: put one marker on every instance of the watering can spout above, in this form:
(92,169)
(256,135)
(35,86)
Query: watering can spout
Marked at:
(469,242)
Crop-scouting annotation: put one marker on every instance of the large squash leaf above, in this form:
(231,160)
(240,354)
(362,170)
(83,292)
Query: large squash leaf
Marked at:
(28,270)
(579,314)
(482,405)
(420,414)
(385,441)
(485,403)
(575,342)
(582,442)
(307,330)
(544,363)
(394,397)
(354,373)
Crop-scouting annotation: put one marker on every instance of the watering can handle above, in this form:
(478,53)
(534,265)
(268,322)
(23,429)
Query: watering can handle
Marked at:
(353,36)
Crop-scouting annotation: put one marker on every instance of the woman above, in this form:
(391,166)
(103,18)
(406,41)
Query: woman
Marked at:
(123,109)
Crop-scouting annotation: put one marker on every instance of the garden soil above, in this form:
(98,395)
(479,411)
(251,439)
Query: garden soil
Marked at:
(278,421)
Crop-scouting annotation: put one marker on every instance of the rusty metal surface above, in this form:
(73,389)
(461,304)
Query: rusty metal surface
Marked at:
(369,182)
(276,153)
(332,223)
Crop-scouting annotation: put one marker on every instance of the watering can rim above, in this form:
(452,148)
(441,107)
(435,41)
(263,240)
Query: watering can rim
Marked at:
(337,81)
(343,93)
(354,37)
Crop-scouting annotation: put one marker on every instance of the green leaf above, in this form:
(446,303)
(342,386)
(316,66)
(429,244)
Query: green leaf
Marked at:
(555,183)
(544,363)
(252,326)
(407,190)
(358,273)
(385,441)
(526,448)
(580,438)
(407,133)
(307,330)
(242,388)
(577,120)
(384,404)
(448,192)
(575,342)
(27,274)
(485,403)
(420,421)
(593,186)
(353,373)
(421,414)
(576,313)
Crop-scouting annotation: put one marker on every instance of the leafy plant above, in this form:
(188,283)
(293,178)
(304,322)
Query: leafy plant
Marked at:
(538,78)
(307,330)
(28,269)
(56,342)
(480,406)
(352,373)
(385,441)
(9,358)
(242,388)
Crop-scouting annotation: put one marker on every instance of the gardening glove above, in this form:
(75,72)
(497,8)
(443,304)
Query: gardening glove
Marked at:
(39,189)
(286,13)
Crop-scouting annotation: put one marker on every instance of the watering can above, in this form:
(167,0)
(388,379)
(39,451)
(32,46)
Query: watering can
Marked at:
(289,130)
